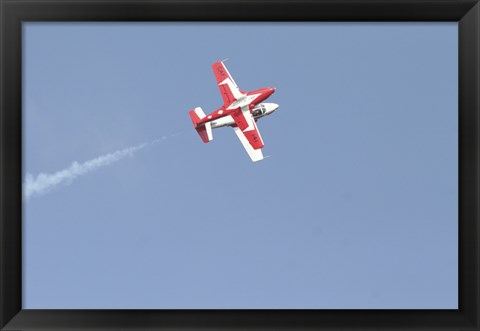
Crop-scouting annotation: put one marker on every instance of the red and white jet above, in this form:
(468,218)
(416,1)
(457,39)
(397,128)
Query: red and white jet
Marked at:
(240,110)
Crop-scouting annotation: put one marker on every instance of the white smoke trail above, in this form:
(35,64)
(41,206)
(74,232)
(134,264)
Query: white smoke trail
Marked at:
(44,183)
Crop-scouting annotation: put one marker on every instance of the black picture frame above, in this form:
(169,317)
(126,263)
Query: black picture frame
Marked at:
(14,12)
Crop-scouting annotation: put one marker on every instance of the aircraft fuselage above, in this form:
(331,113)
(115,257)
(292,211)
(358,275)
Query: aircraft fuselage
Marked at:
(251,99)
(259,111)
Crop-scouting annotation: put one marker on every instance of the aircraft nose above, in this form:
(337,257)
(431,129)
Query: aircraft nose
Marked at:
(273,89)
(270,107)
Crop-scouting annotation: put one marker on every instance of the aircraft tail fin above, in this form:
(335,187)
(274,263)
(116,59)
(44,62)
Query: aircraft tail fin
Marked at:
(204,129)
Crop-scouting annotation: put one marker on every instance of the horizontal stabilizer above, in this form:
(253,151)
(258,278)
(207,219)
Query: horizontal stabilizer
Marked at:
(204,129)
(197,115)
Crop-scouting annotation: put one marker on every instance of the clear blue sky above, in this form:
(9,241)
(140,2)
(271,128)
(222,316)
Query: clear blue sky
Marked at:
(356,208)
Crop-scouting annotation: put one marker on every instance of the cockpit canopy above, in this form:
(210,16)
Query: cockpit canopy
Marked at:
(259,110)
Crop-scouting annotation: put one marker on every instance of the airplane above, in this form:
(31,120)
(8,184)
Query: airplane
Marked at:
(241,110)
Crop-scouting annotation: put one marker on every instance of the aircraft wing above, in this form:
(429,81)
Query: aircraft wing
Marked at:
(247,131)
(228,88)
